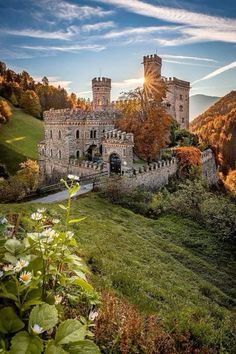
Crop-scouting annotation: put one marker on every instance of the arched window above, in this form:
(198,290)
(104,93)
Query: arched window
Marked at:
(51,153)
(77,154)
(59,154)
(59,134)
(91,134)
(181,108)
(94,134)
(182,120)
(77,134)
(50,134)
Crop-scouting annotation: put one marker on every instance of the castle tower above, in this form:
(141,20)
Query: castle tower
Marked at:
(152,71)
(101,93)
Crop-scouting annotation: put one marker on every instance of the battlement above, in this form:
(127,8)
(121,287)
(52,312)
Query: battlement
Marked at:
(103,81)
(156,166)
(175,81)
(117,136)
(67,115)
(152,58)
(87,164)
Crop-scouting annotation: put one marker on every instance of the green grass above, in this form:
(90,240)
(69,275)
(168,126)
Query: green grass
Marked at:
(170,266)
(19,139)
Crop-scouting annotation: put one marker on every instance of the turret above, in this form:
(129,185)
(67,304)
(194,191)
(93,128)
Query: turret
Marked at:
(152,68)
(101,87)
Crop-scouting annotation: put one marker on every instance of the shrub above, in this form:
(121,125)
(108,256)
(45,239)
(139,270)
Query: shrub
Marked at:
(40,271)
(5,111)
(187,157)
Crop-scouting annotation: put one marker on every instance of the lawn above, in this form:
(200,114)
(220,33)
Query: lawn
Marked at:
(19,139)
(170,266)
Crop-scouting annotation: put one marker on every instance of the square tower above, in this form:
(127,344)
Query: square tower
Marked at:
(152,71)
(101,88)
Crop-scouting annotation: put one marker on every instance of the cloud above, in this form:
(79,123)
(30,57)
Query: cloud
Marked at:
(63,35)
(98,26)
(129,82)
(55,81)
(170,56)
(138,31)
(67,11)
(217,72)
(74,48)
(187,63)
(195,26)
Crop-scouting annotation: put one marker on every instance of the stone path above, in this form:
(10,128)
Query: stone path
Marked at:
(62,195)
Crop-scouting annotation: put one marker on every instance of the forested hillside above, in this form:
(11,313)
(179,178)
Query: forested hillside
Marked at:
(217,127)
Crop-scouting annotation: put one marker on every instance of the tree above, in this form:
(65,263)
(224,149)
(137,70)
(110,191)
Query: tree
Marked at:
(13,99)
(29,173)
(73,100)
(143,114)
(30,103)
(45,81)
(5,111)
(230,181)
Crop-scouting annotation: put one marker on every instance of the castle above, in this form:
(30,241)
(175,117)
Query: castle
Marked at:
(82,142)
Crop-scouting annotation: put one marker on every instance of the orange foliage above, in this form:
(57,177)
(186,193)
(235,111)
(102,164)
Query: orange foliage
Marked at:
(187,156)
(230,181)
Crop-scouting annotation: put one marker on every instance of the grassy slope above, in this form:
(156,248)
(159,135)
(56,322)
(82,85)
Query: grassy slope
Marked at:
(170,265)
(19,138)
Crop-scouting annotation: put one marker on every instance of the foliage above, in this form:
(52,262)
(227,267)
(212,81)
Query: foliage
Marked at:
(182,137)
(30,103)
(12,189)
(230,182)
(217,127)
(29,173)
(5,111)
(187,157)
(40,267)
(145,117)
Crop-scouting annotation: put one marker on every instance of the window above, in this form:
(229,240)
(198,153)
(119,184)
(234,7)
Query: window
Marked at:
(182,120)
(93,134)
(124,151)
(51,153)
(59,154)
(168,105)
(59,134)
(77,154)
(181,108)
(180,97)
(50,134)
(77,134)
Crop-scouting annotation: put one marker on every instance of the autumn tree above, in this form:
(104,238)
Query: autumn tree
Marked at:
(5,111)
(73,100)
(230,182)
(143,114)
(29,173)
(83,104)
(30,103)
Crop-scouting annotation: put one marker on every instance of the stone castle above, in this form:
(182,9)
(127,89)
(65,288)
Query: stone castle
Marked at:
(82,142)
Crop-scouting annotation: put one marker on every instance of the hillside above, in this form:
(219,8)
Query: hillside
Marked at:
(170,266)
(200,103)
(217,127)
(19,138)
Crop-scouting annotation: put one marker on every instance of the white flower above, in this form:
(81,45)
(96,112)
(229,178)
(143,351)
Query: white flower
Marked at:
(56,221)
(21,264)
(73,177)
(37,329)
(58,299)
(70,234)
(93,315)
(25,277)
(1,273)
(49,233)
(8,267)
(36,216)
(41,210)
(3,221)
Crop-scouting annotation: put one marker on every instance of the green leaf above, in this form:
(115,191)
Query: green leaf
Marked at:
(9,321)
(70,331)
(15,247)
(30,303)
(83,347)
(8,296)
(23,343)
(52,348)
(73,221)
(8,257)
(82,283)
(44,315)
(62,206)
(73,190)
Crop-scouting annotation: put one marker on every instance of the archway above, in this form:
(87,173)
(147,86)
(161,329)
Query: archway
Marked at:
(115,163)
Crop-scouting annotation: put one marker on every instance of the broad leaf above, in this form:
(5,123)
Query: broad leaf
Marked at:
(15,247)
(82,284)
(73,221)
(9,321)
(23,343)
(70,331)
(44,315)
(52,348)
(62,206)
(83,347)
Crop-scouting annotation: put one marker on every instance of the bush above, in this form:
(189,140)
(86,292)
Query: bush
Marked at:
(5,111)
(41,273)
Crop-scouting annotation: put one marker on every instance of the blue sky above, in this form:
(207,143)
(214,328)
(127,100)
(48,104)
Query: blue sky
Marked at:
(72,41)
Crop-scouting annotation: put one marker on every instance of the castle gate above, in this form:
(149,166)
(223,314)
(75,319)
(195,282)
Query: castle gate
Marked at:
(115,163)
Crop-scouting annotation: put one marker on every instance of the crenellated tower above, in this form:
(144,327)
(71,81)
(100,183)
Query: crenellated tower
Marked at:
(152,70)
(101,88)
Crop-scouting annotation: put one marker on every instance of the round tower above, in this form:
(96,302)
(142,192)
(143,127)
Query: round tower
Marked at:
(101,87)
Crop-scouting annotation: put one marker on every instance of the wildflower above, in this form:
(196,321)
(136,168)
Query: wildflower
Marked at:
(36,216)
(37,329)
(55,221)
(1,273)
(70,234)
(41,210)
(3,221)
(21,264)
(50,234)
(8,267)
(25,277)
(73,178)
(93,315)
(58,299)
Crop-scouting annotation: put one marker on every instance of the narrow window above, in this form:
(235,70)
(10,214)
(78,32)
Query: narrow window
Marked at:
(59,134)
(50,134)
(91,134)
(77,154)
(180,97)
(77,134)
(51,153)
(182,120)
(181,108)
(59,154)
(94,134)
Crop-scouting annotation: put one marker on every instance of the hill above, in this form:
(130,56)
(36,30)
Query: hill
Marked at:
(200,103)
(19,138)
(170,266)
(217,127)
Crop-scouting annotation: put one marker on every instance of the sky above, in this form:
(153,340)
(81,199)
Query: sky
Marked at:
(73,41)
